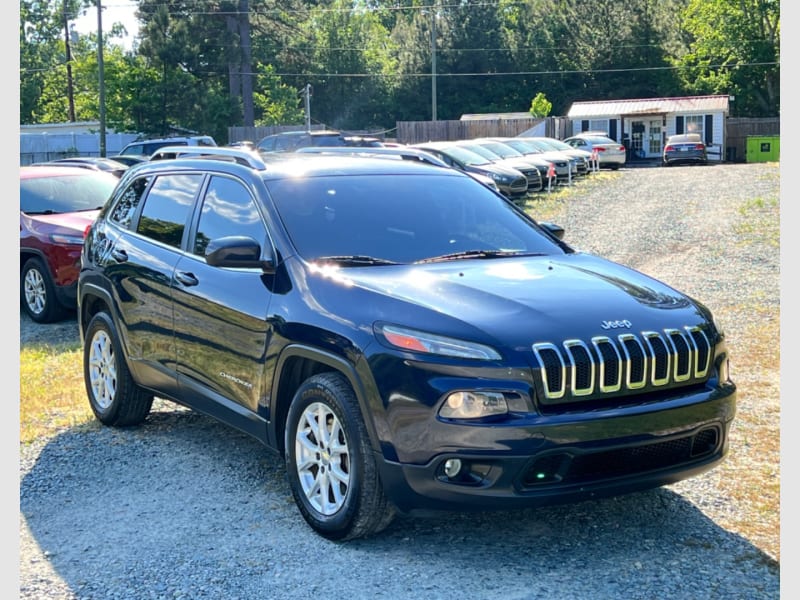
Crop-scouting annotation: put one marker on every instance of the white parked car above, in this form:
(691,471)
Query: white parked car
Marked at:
(610,154)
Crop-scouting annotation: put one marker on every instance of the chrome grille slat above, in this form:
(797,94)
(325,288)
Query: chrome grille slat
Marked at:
(576,370)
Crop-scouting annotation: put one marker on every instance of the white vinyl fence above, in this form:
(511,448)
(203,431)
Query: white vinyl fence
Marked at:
(41,147)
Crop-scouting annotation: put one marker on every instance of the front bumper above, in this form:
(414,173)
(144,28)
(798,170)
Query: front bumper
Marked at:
(569,460)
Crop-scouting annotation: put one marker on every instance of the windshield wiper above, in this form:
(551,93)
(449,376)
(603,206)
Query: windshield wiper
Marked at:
(478,254)
(355,259)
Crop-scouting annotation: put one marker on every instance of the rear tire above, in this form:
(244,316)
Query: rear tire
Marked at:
(38,294)
(329,463)
(114,397)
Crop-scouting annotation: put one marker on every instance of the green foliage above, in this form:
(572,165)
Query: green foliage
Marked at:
(276,102)
(540,106)
(734,48)
(371,62)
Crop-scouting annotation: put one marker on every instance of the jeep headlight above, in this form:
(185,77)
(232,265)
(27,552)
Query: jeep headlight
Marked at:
(430,343)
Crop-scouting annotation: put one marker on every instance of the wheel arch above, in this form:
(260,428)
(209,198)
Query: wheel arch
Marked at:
(296,364)
(26,254)
(93,299)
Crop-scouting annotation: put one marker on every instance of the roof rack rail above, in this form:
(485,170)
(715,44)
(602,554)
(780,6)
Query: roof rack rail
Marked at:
(377,152)
(237,155)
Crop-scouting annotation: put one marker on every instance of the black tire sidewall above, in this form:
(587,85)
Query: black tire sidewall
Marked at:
(102,322)
(317,389)
(52,311)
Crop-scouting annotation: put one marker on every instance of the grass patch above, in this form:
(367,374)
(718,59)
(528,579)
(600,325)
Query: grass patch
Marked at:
(550,206)
(758,224)
(51,392)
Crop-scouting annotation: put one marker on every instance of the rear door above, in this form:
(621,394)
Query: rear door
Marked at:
(140,250)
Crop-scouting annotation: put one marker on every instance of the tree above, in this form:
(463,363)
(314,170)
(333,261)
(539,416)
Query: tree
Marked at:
(540,106)
(275,102)
(734,48)
(353,55)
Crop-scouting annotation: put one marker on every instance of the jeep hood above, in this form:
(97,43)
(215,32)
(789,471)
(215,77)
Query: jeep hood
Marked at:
(515,298)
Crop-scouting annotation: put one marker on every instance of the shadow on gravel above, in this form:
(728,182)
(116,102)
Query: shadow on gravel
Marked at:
(183,507)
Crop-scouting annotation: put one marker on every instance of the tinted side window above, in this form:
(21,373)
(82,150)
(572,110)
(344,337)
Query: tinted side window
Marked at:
(267,144)
(123,211)
(228,209)
(285,142)
(167,207)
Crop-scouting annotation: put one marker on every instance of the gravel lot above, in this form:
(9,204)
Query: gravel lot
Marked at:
(184,508)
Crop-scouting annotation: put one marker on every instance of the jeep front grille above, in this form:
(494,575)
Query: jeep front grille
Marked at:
(578,370)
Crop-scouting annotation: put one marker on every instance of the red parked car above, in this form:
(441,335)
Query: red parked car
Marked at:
(56,205)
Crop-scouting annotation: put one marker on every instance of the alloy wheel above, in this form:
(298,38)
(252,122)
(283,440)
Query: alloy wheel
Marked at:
(322,457)
(102,370)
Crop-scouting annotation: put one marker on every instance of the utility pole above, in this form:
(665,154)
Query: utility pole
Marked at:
(102,85)
(307,94)
(70,93)
(433,60)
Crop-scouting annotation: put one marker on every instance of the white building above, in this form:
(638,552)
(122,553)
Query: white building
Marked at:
(643,125)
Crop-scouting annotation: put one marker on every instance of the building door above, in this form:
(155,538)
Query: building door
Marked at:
(654,138)
(646,139)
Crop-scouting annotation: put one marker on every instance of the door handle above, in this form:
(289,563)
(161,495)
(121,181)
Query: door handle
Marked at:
(119,255)
(187,279)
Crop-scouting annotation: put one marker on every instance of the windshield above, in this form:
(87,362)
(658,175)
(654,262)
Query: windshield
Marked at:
(384,219)
(523,147)
(558,145)
(465,156)
(85,190)
(485,152)
(502,149)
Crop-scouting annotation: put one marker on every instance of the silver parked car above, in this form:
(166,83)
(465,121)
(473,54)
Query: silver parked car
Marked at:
(686,148)
(610,153)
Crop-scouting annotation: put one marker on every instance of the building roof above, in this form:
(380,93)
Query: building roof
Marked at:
(616,108)
(496,116)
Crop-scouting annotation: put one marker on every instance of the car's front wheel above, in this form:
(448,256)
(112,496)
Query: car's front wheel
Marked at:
(114,396)
(329,464)
(37,293)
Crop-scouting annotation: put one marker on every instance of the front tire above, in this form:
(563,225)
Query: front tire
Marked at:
(38,293)
(329,463)
(114,397)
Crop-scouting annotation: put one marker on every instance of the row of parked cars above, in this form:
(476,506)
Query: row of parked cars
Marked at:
(59,199)
(516,166)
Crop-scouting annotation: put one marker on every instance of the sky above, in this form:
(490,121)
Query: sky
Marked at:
(114,11)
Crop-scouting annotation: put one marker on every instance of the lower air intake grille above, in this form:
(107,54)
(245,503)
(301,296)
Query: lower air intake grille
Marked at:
(566,469)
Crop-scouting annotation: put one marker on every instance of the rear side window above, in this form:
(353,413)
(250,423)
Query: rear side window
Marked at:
(167,208)
(123,211)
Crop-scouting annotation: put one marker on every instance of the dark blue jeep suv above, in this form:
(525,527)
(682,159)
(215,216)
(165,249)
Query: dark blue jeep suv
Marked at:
(405,337)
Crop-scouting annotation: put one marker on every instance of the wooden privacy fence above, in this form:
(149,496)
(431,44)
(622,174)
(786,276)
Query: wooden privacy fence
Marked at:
(738,129)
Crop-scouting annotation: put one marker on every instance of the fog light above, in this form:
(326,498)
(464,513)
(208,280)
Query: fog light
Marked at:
(452,467)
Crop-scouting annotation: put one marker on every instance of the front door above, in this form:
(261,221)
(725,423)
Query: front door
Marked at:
(646,138)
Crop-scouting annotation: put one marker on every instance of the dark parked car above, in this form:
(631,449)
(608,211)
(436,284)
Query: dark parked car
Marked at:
(684,149)
(511,183)
(403,336)
(129,159)
(56,206)
(98,163)
(289,141)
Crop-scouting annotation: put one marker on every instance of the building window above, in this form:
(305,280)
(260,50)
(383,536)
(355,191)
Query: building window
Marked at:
(599,125)
(694,124)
